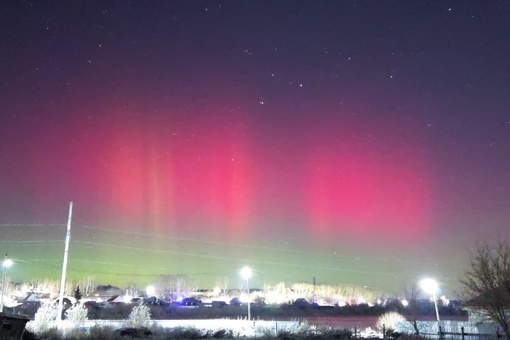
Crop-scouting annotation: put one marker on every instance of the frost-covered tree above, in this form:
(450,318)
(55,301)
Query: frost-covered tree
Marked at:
(140,316)
(43,318)
(390,321)
(75,318)
(77,315)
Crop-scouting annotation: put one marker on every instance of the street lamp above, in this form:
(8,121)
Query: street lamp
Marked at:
(430,286)
(246,274)
(5,264)
(150,291)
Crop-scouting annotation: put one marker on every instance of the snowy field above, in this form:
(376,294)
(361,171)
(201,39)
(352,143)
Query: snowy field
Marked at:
(240,328)
(363,326)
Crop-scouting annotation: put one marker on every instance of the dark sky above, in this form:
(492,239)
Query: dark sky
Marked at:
(357,142)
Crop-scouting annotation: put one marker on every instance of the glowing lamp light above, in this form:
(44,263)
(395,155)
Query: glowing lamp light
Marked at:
(150,291)
(405,303)
(431,287)
(8,263)
(246,274)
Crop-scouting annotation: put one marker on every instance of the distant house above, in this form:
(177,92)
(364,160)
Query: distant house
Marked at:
(103,293)
(28,305)
(31,297)
(118,299)
(34,297)
(301,302)
(218,304)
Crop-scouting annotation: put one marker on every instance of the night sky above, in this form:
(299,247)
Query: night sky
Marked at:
(357,142)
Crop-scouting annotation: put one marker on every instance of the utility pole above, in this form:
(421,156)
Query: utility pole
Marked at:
(5,264)
(64,264)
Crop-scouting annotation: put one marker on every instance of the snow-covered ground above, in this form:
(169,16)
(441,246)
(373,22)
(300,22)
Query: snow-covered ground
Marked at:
(253,328)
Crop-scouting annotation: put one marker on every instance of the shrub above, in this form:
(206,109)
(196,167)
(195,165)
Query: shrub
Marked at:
(140,316)
(49,334)
(389,321)
(337,333)
(140,332)
(285,335)
(77,315)
(220,334)
(102,332)
(43,319)
(185,333)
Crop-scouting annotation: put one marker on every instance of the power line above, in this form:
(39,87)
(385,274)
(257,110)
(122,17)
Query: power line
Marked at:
(219,243)
(261,248)
(31,225)
(27,243)
(190,254)
(229,259)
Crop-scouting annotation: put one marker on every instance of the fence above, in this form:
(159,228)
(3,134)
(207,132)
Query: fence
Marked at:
(463,330)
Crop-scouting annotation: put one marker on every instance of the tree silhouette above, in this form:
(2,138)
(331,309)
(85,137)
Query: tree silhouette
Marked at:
(487,282)
(77,293)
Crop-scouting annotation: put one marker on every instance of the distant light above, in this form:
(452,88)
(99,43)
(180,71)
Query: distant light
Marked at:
(244,298)
(273,297)
(246,273)
(150,291)
(8,263)
(404,303)
(429,286)
(444,300)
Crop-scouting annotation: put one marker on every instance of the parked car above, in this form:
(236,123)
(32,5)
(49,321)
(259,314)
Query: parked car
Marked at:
(235,302)
(191,301)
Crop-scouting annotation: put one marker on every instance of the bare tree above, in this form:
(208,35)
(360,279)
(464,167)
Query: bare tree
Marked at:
(411,294)
(487,282)
(88,284)
(132,289)
(173,287)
